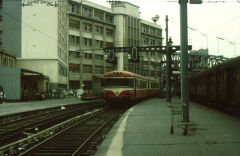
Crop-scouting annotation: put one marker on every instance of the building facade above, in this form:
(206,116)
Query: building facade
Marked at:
(92,27)
(36,33)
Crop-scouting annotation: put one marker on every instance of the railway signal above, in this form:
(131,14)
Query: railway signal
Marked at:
(110,56)
(134,55)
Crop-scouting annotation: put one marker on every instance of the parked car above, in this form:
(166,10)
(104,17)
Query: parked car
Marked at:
(2,95)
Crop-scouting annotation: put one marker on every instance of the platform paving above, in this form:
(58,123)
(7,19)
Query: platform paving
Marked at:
(16,107)
(145,131)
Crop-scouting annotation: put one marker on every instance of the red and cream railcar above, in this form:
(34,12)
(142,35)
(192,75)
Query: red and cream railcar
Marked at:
(123,86)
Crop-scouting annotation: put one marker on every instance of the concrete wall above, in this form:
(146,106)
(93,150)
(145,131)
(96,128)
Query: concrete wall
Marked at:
(10,80)
(39,32)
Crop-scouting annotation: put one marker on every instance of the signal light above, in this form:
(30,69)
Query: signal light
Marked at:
(110,56)
(134,55)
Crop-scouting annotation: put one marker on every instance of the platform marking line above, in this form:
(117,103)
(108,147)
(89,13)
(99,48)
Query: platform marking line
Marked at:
(117,144)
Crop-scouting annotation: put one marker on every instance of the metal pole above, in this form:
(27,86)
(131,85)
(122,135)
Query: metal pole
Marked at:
(184,59)
(218,47)
(168,79)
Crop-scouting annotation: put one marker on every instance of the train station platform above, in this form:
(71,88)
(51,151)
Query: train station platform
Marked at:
(17,107)
(144,130)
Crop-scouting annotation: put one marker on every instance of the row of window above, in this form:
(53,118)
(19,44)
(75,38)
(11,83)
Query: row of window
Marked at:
(88,69)
(85,41)
(88,56)
(90,12)
(88,27)
(151,30)
(154,85)
(152,42)
(7,61)
(141,84)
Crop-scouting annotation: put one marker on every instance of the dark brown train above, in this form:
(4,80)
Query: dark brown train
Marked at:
(219,86)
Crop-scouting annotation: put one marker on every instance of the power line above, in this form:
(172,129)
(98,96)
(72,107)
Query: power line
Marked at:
(21,21)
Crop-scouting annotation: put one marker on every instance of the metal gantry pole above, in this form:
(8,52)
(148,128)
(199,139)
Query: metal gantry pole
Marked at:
(184,59)
(168,78)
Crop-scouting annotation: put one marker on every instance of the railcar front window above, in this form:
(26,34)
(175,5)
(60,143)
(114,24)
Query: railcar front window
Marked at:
(117,82)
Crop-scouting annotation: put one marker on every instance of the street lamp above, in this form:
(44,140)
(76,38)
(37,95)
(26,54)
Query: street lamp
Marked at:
(219,38)
(234,44)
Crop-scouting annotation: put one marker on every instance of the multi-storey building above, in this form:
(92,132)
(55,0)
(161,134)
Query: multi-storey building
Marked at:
(92,27)
(36,33)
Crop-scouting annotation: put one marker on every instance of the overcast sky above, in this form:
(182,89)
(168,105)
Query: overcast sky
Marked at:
(212,19)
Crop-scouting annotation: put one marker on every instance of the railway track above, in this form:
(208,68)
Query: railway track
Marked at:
(12,131)
(81,138)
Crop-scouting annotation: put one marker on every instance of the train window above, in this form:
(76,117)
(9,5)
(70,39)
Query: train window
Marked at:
(154,85)
(118,82)
(143,84)
(137,83)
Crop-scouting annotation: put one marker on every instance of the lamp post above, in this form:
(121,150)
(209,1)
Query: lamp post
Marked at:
(169,70)
(219,38)
(234,44)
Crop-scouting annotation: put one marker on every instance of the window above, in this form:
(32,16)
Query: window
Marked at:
(74,54)
(87,56)
(87,12)
(145,40)
(74,24)
(109,18)
(74,39)
(62,70)
(154,85)
(98,70)
(143,84)
(145,29)
(87,42)
(98,29)
(87,69)
(98,15)
(152,31)
(98,44)
(118,82)
(74,8)
(75,68)
(87,27)
(98,57)
(109,32)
